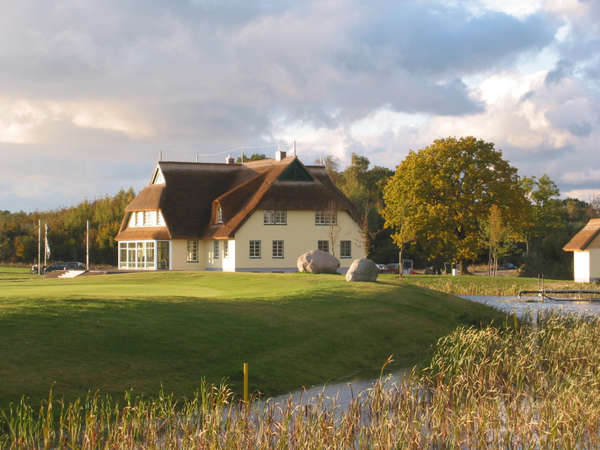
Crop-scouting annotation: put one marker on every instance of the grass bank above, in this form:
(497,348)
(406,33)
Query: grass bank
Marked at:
(144,330)
(533,387)
(485,285)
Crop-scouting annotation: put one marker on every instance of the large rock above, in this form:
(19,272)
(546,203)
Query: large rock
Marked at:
(362,269)
(317,261)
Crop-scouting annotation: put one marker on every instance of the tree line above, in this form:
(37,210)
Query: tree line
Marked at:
(66,231)
(457,201)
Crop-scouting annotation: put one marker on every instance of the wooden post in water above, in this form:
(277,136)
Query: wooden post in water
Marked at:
(245,382)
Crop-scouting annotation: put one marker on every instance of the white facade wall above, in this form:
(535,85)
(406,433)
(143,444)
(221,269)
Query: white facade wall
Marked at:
(179,255)
(581,266)
(594,264)
(299,235)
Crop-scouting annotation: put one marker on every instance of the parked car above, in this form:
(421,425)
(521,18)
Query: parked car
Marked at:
(73,265)
(507,266)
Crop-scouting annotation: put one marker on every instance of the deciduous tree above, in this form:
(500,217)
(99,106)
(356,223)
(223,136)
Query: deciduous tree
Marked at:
(442,195)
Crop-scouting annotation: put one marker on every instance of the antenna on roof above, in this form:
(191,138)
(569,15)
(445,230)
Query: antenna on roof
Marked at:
(160,156)
(294,147)
(196,156)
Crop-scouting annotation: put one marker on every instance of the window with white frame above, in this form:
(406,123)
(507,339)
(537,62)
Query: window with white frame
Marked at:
(277,249)
(215,249)
(275,217)
(323,246)
(192,251)
(219,215)
(345,249)
(136,255)
(325,217)
(150,218)
(225,249)
(254,249)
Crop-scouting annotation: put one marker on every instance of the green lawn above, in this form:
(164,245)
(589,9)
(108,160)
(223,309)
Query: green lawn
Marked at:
(115,332)
(15,273)
(483,285)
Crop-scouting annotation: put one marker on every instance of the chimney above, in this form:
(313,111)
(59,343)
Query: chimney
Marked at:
(229,159)
(279,155)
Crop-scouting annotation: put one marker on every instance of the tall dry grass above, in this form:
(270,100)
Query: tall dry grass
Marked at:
(534,386)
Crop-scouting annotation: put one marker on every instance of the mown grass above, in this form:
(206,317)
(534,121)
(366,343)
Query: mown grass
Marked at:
(144,330)
(485,285)
(530,387)
(15,273)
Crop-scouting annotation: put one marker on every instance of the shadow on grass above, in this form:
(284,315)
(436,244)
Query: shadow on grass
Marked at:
(117,344)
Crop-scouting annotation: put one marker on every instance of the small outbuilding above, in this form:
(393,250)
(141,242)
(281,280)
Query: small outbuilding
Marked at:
(585,246)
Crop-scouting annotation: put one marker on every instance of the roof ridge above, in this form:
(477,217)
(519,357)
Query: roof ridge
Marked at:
(202,163)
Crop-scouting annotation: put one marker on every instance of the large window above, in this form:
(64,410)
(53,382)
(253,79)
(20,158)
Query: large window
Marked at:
(277,249)
(254,249)
(225,249)
(192,251)
(215,249)
(219,215)
(137,255)
(323,246)
(275,217)
(325,217)
(345,249)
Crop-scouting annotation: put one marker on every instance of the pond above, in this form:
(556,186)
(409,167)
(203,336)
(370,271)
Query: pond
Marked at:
(528,307)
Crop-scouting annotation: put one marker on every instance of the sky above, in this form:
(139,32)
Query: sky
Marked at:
(92,91)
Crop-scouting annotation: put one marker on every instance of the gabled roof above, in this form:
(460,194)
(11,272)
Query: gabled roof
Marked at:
(586,239)
(193,191)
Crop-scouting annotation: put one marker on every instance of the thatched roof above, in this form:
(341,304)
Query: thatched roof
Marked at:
(586,239)
(193,192)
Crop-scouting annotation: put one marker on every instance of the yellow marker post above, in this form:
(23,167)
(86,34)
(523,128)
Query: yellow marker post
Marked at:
(246,382)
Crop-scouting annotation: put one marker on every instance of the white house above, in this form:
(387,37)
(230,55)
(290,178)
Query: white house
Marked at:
(257,216)
(585,246)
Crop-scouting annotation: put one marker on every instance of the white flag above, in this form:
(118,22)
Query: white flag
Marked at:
(46,243)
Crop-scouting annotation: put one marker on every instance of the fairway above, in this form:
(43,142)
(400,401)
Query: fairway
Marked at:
(144,330)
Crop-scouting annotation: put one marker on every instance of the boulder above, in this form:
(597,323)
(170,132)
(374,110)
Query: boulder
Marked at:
(317,261)
(362,269)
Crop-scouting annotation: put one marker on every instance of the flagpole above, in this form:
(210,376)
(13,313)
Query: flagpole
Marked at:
(39,246)
(87,245)
(45,244)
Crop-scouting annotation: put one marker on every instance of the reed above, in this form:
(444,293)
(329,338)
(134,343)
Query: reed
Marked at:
(484,285)
(529,386)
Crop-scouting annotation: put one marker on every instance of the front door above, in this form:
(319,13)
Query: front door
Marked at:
(162,255)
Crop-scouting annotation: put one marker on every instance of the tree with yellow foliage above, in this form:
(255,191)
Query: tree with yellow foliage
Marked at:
(441,196)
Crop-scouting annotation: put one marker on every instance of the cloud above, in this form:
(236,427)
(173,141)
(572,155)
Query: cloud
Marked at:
(111,84)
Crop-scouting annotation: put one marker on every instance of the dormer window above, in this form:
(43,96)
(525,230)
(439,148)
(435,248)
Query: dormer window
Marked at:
(152,218)
(219,215)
